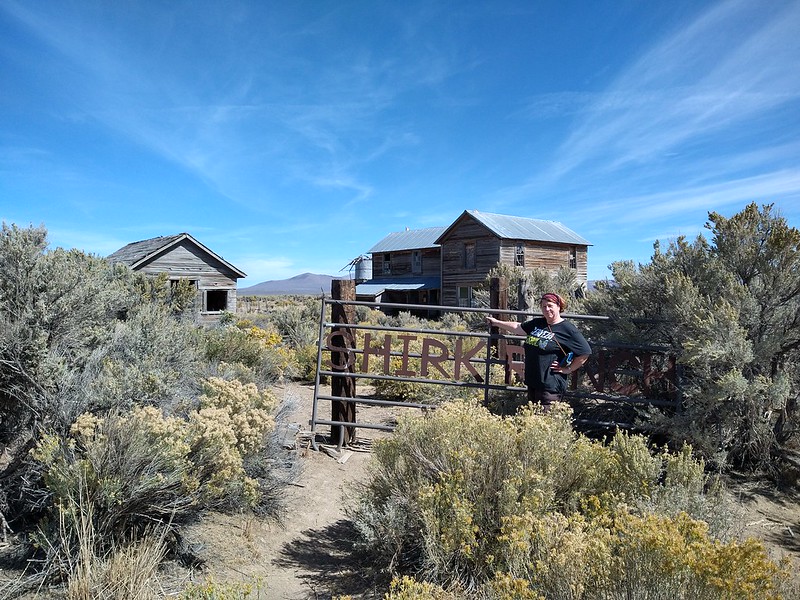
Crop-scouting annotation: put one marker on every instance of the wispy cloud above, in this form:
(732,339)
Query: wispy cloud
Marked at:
(673,203)
(92,242)
(734,63)
(690,232)
(307,129)
(677,132)
(259,127)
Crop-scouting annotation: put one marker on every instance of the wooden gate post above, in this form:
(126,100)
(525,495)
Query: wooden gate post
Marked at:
(498,299)
(343,387)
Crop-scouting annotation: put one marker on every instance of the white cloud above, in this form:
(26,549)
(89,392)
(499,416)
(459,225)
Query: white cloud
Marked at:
(735,62)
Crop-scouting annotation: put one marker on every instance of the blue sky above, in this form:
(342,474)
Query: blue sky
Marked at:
(290,137)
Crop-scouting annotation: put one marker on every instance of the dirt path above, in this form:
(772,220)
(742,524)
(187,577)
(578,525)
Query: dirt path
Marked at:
(310,554)
(770,516)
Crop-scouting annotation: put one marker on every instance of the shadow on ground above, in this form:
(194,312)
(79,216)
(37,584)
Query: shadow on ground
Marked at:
(333,566)
(778,508)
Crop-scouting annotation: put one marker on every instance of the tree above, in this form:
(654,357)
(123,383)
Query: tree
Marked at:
(729,307)
(525,287)
(73,338)
(55,307)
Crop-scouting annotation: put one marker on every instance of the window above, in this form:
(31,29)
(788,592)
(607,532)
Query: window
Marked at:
(216,300)
(469,255)
(465,296)
(387,264)
(573,257)
(183,290)
(176,284)
(416,262)
(519,256)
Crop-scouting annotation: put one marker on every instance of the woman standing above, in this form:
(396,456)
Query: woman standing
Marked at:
(554,348)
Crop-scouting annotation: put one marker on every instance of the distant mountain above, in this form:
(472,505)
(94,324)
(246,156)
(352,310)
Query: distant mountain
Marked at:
(307,283)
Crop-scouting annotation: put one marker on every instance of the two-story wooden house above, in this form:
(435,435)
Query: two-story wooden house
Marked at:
(183,257)
(443,265)
(477,242)
(406,268)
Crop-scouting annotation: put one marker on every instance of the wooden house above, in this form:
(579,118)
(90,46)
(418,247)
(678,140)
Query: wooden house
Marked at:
(476,242)
(182,257)
(406,268)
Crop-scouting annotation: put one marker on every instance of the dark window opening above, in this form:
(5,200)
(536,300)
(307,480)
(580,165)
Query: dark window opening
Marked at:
(387,264)
(519,256)
(469,256)
(465,296)
(175,283)
(573,258)
(216,300)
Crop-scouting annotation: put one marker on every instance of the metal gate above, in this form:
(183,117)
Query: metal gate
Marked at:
(355,351)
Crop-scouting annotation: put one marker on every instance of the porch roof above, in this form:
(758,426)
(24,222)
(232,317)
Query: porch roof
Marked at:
(374,287)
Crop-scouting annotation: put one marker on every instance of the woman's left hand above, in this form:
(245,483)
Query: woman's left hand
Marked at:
(555,366)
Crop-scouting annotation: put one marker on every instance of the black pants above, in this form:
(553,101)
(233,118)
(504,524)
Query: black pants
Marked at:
(543,397)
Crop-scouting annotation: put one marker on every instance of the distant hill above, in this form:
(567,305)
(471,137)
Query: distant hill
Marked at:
(307,283)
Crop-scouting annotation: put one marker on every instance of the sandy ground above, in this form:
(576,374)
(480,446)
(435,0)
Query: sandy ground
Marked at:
(309,555)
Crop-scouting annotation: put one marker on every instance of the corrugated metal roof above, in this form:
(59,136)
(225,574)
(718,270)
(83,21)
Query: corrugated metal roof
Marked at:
(410,239)
(523,228)
(374,287)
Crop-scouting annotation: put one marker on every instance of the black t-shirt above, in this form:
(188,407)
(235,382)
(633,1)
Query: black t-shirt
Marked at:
(546,343)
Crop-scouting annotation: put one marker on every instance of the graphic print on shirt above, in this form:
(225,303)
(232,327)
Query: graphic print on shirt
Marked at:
(540,337)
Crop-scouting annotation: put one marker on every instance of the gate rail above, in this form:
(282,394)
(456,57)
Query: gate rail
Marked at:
(609,375)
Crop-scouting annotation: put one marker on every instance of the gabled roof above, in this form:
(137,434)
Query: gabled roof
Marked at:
(137,253)
(410,239)
(521,228)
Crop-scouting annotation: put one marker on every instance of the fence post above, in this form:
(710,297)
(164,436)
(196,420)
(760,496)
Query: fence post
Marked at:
(498,299)
(343,387)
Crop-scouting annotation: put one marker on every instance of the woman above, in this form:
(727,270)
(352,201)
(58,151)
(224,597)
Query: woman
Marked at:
(554,348)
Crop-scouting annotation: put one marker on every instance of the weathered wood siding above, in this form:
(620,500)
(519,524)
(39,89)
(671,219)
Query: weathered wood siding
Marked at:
(490,251)
(455,273)
(187,261)
(545,255)
(401,263)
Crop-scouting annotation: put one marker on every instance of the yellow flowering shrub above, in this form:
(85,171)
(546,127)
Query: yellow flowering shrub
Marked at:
(677,554)
(407,588)
(146,463)
(507,587)
(559,555)
(232,423)
(248,409)
(213,441)
(524,507)
(448,515)
(266,338)
(84,426)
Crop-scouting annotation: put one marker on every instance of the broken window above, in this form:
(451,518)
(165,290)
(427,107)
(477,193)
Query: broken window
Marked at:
(416,262)
(469,255)
(216,300)
(387,264)
(519,256)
